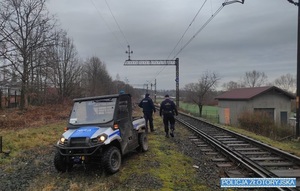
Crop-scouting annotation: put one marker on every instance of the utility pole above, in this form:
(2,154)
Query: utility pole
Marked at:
(158,63)
(147,87)
(298,75)
(298,71)
(154,90)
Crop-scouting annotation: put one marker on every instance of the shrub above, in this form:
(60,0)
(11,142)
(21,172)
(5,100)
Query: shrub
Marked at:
(261,123)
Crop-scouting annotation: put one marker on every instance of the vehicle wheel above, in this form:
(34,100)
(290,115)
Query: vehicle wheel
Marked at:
(61,164)
(143,142)
(111,160)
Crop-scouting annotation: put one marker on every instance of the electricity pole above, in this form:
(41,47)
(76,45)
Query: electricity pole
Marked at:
(155,91)
(298,71)
(298,75)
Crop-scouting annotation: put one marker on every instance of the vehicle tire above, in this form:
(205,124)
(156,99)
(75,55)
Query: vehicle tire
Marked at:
(61,164)
(143,142)
(111,160)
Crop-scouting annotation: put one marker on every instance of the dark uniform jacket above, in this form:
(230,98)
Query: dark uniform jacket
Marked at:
(147,105)
(168,107)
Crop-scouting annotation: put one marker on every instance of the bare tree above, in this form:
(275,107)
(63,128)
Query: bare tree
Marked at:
(254,79)
(231,85)
(199,92)
(65,70)
(286,82)
(96,79)
(26,28)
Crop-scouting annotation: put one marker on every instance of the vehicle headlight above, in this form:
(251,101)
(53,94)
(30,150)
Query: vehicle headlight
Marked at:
(102,138)
(62,140)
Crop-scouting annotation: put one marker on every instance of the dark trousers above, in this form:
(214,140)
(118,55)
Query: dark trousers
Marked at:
(169,119)
(148,117)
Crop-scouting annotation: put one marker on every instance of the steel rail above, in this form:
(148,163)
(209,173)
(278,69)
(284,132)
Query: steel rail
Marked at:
(284,154)
(225,150)
(232,154)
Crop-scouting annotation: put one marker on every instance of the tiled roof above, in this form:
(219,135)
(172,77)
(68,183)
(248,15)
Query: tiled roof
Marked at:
(249,93)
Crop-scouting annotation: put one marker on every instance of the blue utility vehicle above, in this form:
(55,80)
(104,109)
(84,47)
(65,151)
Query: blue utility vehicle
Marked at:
(100,129)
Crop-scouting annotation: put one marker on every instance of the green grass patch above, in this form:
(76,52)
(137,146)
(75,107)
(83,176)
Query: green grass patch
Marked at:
(208,112)
(193,108)
(27,138)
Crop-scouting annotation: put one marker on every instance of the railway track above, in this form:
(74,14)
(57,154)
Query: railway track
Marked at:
(241,156)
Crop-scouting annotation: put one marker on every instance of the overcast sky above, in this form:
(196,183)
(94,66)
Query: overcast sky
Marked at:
(257,35)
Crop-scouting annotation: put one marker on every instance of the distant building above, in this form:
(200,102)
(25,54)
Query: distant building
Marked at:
(10,96)
(273,100)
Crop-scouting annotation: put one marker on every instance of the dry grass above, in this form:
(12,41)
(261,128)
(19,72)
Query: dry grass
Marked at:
(33,127)
(33,116)
(163,163)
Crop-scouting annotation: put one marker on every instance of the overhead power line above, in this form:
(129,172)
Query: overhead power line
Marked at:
(182,36)
(194,34)
(226,2)
(117,23)
(188,28)
(293,2)
(202,27)
(116,37)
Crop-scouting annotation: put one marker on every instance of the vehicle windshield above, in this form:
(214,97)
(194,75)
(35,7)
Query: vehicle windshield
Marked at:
(93,111)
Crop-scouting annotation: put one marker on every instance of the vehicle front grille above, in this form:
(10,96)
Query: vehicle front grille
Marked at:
(79,142)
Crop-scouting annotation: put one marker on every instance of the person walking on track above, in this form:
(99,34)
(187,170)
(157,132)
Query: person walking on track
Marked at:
(148,109)
(167,111)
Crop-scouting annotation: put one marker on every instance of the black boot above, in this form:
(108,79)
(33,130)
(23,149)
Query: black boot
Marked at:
(172,133)
(167,135)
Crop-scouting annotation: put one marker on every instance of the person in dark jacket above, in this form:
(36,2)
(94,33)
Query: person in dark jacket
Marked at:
(148,109)
(167,111)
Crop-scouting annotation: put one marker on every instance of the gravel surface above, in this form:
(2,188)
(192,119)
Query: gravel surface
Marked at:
(39,163)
